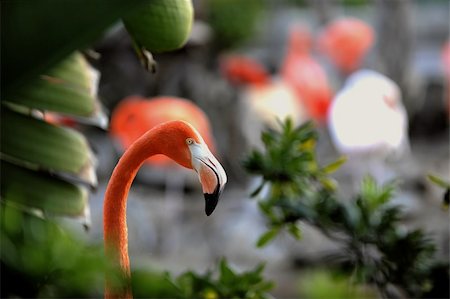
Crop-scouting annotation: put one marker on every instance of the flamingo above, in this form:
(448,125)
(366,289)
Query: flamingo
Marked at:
(305,75)
(182,143)
(244,70)
(368,122)
(134,116)
(445,54)
(265,99)
(345,42)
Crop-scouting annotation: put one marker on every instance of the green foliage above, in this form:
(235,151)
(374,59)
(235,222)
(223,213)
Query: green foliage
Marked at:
(43,163)
(355,2)
(228,284)
(321,284)
(376,249)
(148,284)
(39,259)
(66,88)
(43,145)
(39,190)
(234,21)
(36,35)
(56,79)
(225,282)
(438,181)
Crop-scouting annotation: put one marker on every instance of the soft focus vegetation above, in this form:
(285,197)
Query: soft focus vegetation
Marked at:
(376,248)
(222,283)
(234,21)
(41,259)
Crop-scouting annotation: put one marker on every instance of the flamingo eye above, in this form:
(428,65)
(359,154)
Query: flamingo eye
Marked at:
(189,141)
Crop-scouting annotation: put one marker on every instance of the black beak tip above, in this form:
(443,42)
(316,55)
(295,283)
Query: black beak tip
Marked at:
(211,201)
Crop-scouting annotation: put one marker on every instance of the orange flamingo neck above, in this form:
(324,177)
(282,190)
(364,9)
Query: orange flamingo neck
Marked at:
(167,139)
(114,210)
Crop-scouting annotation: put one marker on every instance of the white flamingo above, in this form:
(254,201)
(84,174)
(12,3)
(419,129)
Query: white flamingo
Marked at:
(368,123)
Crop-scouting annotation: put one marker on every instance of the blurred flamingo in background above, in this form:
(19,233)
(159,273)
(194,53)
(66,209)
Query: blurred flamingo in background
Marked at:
(132,118)
(446,60)
(346,42)
(265,99)
(244,70)
(305,75)
(368,122)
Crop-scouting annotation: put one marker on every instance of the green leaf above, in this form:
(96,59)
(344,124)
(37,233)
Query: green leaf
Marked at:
(68,88)
(258,189)
(328,183)
(153,284)
(227,276)
(267,237)
(161,25)
(333,166)
(37,34)
(268,138)
(438,181)
(35,143)
(325,284)
(295,231)
(374,195)
(74,70)
(386,192)
(234,21)
(42,191)
(59,96)
(369,188)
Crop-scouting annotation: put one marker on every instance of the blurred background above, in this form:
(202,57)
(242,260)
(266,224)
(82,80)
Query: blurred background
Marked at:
(235,68)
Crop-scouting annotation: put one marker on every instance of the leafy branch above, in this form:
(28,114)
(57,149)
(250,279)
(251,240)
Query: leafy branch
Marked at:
(377,249)
(40,259)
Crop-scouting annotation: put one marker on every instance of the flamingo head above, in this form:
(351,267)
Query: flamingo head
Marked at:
(242,70)
(379,85)
(346,42)
(182,143)
(300,39)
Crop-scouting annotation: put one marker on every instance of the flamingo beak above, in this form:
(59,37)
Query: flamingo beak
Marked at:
(211,175)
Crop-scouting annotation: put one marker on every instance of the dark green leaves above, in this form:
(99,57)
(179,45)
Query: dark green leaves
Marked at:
(228,284)
(234,21)
(267,237)
(374,195)
(42,145)
(148,284)
(36,35)
(39,259)
(287,153)
(46,162)
(290,169)
(39,190)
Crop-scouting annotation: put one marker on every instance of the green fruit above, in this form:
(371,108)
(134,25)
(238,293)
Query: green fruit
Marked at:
(161,25)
